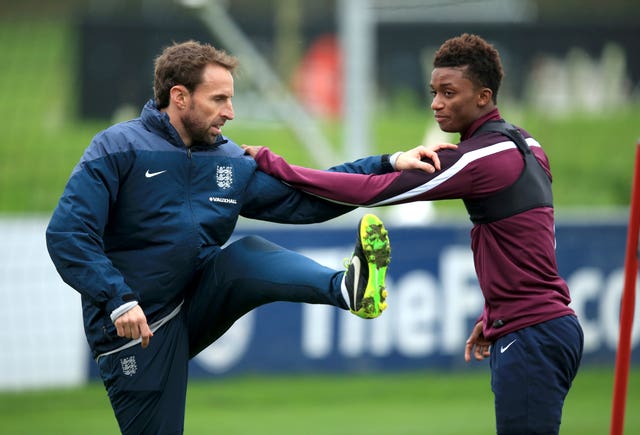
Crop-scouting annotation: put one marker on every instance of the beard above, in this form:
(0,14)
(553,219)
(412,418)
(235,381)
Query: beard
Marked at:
(197,129)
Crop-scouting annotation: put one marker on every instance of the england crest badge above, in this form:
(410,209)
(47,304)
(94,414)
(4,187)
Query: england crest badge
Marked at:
(224,176)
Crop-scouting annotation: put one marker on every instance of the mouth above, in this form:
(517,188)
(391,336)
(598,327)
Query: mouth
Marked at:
(217,129)
(440,118)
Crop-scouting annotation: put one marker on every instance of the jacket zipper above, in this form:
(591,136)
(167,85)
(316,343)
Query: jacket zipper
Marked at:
(189,195)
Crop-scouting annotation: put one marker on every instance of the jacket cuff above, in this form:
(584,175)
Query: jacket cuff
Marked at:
(120,300)
(385,163)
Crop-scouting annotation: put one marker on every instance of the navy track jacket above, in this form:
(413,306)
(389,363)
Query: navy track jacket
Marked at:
(141,213)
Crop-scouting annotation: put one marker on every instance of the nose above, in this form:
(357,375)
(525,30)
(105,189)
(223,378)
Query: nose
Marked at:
(436,103)
(228,112)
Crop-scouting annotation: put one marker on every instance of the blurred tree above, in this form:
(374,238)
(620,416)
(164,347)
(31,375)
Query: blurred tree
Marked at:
(576,11)
(315,11)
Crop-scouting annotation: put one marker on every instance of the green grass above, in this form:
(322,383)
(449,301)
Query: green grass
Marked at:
(398,404)
(41,140)
(592,157)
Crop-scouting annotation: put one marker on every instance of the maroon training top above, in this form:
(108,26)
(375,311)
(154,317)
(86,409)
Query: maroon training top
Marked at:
(514,257)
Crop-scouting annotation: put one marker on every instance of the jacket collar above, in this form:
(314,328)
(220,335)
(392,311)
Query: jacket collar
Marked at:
(494,115)
(158,123)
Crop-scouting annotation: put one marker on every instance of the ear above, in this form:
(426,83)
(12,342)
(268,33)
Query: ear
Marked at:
(179,96)
(485,96)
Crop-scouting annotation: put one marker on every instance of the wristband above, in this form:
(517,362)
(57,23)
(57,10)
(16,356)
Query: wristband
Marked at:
(393,158)
(122,309)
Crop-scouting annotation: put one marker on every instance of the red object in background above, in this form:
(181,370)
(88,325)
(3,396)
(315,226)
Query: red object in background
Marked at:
(627,307)
(317,82)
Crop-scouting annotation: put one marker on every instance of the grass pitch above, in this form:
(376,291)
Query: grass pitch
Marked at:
(386,404)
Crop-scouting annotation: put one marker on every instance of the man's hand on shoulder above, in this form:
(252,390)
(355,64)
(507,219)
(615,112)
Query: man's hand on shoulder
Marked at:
(251,150)
(413,158)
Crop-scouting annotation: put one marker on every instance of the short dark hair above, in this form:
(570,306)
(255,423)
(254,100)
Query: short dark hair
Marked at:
(482,60)
(182,64)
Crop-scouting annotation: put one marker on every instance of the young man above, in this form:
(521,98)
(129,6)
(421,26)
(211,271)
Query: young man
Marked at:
(139,233)
(502,175)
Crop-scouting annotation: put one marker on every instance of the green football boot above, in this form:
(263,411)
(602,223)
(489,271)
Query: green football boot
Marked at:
(367,269)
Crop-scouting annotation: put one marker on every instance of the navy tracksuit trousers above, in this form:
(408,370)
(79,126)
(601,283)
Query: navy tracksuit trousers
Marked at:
(147,387)
(531,372)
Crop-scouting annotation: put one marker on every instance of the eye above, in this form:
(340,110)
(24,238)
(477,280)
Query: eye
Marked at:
(433,93)
(220,98)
